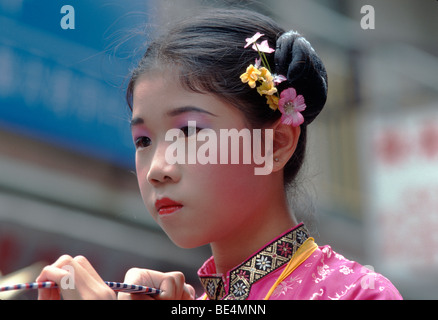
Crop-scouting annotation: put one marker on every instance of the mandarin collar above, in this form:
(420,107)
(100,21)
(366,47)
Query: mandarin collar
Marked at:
(237,282)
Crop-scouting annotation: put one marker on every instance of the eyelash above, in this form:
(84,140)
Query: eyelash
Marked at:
(144,142)
(186,132)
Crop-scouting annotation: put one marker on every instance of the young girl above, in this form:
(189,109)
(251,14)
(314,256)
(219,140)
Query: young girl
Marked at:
(228,70)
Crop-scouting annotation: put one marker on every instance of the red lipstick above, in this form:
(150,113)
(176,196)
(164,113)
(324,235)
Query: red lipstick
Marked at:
(167,206)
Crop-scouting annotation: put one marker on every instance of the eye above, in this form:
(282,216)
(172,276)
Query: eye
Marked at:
(142,142)
(189,131)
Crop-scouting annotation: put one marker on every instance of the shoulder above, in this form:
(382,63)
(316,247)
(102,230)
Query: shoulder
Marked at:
(349,279)
(329,275)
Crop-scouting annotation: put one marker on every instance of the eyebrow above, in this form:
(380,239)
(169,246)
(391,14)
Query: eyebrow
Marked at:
(136,121)
(185,109)
(173,113)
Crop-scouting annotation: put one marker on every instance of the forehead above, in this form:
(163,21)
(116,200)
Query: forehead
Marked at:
(158,93)
(153,83)
(154,91)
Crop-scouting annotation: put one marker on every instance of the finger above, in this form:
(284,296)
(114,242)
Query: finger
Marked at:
(51,273)
(62,261)
(188,293)
(88,282)
(172,286)
(135,276)
(86,265)
(140,277)
(55,273)
(76,279)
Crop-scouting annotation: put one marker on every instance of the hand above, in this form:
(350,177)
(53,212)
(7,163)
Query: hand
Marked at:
(172,285)
(76,280)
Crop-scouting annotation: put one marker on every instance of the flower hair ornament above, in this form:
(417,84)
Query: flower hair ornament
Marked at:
(260,75)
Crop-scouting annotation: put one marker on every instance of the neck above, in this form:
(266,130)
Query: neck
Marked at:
(267,224)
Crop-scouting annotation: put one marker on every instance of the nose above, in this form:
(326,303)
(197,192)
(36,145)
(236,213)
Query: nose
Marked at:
(160,170)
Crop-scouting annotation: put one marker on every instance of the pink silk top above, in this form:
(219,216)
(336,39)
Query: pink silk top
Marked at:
(324,275)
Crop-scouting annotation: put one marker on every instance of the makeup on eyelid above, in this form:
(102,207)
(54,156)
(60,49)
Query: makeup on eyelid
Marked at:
(178,122)
(139,131)
(181,121)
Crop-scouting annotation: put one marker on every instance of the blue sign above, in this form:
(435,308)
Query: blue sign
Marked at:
(62,79)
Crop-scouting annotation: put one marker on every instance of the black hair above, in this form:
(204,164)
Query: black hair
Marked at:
(207,52)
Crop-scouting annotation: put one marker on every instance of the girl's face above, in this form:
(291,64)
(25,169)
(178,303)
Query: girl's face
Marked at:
(195,204)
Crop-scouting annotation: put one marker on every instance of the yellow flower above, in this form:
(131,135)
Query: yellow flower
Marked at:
(251,76)
(267,87)
(266,75)
(272,102)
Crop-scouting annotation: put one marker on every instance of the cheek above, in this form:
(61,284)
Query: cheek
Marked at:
(224,199)
(142,169)
(228,181)
(139,169)
(225,186)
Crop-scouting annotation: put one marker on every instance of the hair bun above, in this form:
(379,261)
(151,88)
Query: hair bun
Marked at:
(298,62)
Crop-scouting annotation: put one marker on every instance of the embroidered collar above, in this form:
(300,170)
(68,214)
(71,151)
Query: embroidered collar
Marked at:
(240,279)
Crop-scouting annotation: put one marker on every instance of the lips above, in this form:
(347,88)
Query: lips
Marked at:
(167,206)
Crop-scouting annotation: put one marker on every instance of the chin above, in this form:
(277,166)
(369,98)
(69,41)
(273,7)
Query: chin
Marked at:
(187,242)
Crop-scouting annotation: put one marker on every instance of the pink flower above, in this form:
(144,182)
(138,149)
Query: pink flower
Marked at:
(291,106)
(263,47)
(258,62)
(279,78)
(253,39)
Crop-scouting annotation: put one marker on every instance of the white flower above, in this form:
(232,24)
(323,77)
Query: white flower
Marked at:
(263,263)
(346,270)
(239,289)
(253,39)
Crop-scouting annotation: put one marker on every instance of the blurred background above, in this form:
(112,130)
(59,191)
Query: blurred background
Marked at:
(67,175)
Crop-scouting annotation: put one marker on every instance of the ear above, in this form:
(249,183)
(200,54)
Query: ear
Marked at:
(284,144)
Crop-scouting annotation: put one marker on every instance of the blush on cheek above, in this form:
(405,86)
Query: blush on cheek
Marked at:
(230,180)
